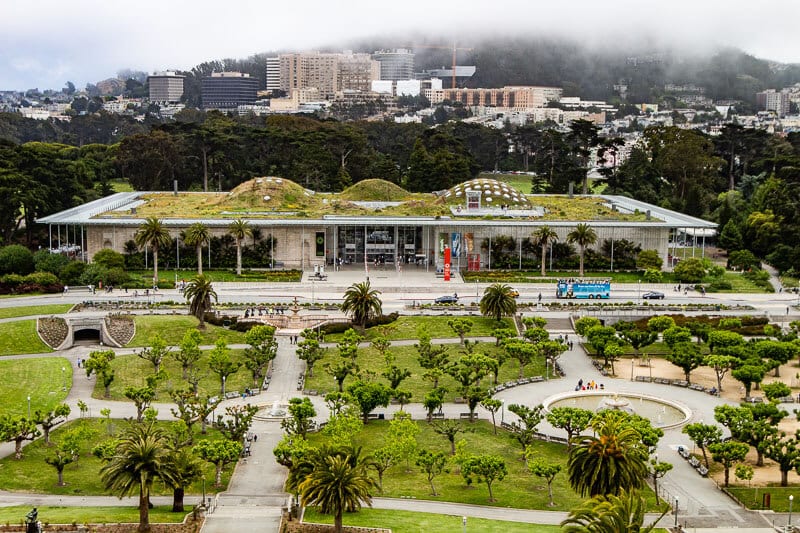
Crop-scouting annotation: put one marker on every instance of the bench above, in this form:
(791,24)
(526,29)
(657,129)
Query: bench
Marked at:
(702,470)
(694,462)
(376,416)
(753,399)
(232,394)
(467,416)
(439,415)
(459,400)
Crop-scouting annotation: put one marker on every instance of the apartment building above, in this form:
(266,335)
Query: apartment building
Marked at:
(165,87)
(772,100)
(509,97)
(327,72)
(226,90)
(273,74)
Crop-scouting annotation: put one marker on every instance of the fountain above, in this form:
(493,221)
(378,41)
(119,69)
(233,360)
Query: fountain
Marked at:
(661,413)
(276,411)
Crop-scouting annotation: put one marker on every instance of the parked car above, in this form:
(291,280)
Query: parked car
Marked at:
(447,299)
(653,295)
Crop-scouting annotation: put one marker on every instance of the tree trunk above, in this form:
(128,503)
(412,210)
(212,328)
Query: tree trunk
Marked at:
(60,477)
(218,475)
(337,521)
(177,500)
(550,493)
(433,489)
(18,449)
(705,457)
(491,496)
(544,257)
(521,369)
(205,169)
(580,270)
(199,259)
(686,373)
(144,512)
(494,426)
(46,434)
(727,475)
(784,478)
(155,266)
(453,445)
(238,257)
(759,457)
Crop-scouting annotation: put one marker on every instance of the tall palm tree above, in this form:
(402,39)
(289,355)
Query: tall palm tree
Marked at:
(141,457)
(152,233)
(611,460)
(197,235)
(583,235)
(337,484)
(199,292)
(610,514)
(239,229)
(498,302)
(545,236)
(362,302)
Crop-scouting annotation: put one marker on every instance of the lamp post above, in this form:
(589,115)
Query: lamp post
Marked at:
(464,524)
(639,293)
(502,412)
(64,378)
(29,406)
(676,512)
(632,361)
(204,492)
(791,499)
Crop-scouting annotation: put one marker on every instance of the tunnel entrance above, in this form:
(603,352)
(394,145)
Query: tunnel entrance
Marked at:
(86,336)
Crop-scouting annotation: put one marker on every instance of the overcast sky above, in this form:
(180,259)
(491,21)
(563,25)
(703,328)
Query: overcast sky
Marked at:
(43,44)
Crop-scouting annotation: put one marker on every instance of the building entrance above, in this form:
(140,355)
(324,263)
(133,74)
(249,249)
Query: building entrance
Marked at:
(379,244)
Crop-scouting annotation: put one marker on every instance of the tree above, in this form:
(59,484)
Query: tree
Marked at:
(155,352)
(189,353)
(487,469)
(703,435)
(492,405)
(690,270)
(310,351)
(723,339)
(362,302)
(544,237)
(433,401)
(192,408)
(687,357)
(606,343)
(524,429)
(141,398)
(432,465)
(402,437)
(522,351)
(141,458)
(219,453)
(263,349)
(301,417)
(639,339)
(152,233)
(649,260)
(448,429)
(660,323)
(49,419)
(219,362)
(461,327)
(658,469)
(573,420)
(369,395)
(339,371)
(785,452)
(609,513)
(237,421)
(99,363)
(198,235)
(584,324)
(721,364)
(468,371)
(777,352)
(382,460)
(342,428)
(544,470)
(583,235)
(502,334)
(17,429)
(59,460)
(239,229)
(337,484)
(776,390)
(199,292)
(727,454)
(748,374)
(395,375)
(186,468)
(498,302)
(610,461)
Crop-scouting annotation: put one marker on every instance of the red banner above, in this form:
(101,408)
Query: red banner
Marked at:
(447,263)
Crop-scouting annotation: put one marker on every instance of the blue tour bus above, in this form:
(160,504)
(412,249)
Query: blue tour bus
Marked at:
(583,288)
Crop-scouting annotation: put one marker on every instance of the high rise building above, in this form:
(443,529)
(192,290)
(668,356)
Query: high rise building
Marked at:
(224,90)
(327,72)
(772,100)
(165,87)
(273,74)
(396,64)
(511,97)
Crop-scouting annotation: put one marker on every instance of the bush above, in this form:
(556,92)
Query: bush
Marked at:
(16,259)
(382,320)
(690,270)
(336,327)
(649,260)
(653,276)
(36,282)
(72,272)
(109,259)
(93,274)
(44,261)
(719,285)
(229,321)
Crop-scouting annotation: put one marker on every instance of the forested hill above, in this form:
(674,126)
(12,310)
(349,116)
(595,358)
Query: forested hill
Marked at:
(592,73)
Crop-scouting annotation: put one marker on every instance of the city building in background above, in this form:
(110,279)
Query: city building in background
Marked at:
(226,90)
(165,87)
(397,64)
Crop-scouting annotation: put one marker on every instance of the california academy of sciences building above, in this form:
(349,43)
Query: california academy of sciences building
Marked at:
(375,220)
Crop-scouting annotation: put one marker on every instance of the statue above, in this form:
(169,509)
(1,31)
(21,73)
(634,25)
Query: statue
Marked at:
(32,521)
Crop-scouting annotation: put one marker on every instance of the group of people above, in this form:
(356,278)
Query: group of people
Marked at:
(272,311)
(590,385)
(293,339)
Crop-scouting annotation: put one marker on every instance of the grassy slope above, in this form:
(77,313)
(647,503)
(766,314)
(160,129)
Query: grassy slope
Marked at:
(33,310)
(172,328)
(405,327)
(21,337)
(91,515)
(41,378)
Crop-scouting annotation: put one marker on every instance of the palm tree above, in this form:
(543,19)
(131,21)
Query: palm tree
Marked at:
(141,457)
(239,229)
(362,302)
(610,514)
(199,292)
(498,302)
(583,235)
(611,460)
(152,233)
(545,236)
(197,235)
(336,484)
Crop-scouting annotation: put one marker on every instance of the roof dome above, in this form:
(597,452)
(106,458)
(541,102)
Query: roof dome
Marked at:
(492,191)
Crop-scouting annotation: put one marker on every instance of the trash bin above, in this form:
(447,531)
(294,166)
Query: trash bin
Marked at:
(766,501)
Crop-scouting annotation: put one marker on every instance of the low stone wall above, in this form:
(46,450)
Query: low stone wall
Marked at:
(306,527)
(189,527)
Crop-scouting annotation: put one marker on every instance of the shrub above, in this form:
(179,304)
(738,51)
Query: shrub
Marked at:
(690,270)
(72,272)
(16,259)
(44,261)
(719,285)
(649,260)
(653,276)
(109,258)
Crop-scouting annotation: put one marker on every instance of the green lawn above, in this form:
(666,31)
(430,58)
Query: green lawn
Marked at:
(657,349)
(739,283)
(21,337)
(130,370)
(92,515)
(370,361)
(222,275)
(411,522)
(40,378)
(34,310)
(32,474)
(121,186)
(779,496)
(534,276)
(405,327)
(172,328)
(520,489)
(521,182)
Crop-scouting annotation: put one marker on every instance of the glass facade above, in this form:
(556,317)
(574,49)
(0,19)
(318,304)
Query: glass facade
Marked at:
(380,244)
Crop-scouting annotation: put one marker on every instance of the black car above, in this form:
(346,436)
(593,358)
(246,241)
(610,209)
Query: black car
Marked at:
(447,299)
(653,295)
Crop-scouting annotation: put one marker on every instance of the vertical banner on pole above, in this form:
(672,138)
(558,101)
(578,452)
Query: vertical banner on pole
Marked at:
(447,263)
